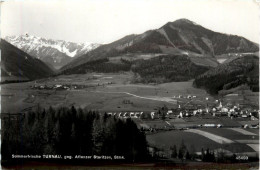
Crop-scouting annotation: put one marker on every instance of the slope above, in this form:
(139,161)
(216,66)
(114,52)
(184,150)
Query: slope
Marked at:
(56,53)
(178,38)
(18,65)
(242,70)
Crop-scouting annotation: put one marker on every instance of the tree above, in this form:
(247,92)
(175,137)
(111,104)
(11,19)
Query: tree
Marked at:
(192,152)
(174,151)
(105,117)
(182,150)
(188,155)
(56,135)
(163,115)
(202,154)
(180,154)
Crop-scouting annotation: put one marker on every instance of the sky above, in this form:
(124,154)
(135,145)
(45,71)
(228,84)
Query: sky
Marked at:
(104,21)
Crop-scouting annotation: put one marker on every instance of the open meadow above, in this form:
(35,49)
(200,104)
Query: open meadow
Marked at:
(105,92)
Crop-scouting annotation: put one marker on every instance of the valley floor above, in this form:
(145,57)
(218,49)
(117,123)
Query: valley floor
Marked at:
(114,93)
(105,92)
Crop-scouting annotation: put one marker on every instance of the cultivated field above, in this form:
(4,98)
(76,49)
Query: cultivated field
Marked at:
(198,120)
(212,138)
(105,92)
(195,141)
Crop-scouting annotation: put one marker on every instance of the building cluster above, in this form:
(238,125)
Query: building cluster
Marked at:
(57,87)
(191,110)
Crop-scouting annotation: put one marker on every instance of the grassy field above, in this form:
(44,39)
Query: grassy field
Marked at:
(230,134)
(216,138)
(205,61)
(194,142)
(242,95)
(170,138)
(104,92)
(198,120)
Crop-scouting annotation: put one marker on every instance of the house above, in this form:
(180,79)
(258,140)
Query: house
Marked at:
(224,109)
(244,115)
(141,114)
(209,125)
(136,114)
(152,115)
(181,115)
(57,86)
(219,125)
(132,114)
(169,112)
(126,114)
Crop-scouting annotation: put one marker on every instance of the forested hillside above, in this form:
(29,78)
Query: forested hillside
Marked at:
(167,68)
(243,70)
(159,69)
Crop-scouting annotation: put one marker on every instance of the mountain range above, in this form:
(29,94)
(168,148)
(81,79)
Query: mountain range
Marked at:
(178,51)
(16,65)
(181,37)
(56,53)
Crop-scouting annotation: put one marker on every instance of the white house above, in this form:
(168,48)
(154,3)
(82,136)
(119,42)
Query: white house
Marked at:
(169,112)
(152,115)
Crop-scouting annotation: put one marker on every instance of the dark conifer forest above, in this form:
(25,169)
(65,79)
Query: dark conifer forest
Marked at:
(71,131)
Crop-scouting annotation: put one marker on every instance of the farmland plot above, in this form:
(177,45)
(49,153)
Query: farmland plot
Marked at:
(242,131)
(170,138)
(194,142)
(230,133)
(211,136)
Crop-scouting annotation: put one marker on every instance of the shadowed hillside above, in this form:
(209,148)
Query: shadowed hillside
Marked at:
(243,70)
(160,69)
(17,65)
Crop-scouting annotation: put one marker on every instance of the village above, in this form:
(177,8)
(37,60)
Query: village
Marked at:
(195,113)
(185,109)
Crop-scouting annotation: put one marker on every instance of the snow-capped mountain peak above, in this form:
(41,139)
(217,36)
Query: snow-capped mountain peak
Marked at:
(55,52)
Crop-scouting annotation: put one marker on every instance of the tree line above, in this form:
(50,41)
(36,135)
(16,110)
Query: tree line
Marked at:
(71,131)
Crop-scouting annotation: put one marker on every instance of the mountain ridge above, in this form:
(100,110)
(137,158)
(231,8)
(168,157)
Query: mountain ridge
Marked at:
(54,52)
(179,37)
(16,65)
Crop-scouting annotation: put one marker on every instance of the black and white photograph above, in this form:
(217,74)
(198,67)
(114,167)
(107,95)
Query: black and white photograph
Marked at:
(129,84)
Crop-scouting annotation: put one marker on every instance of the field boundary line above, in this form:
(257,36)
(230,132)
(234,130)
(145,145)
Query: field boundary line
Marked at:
(248,141)
(254,146)
(244,132)
(216,138)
